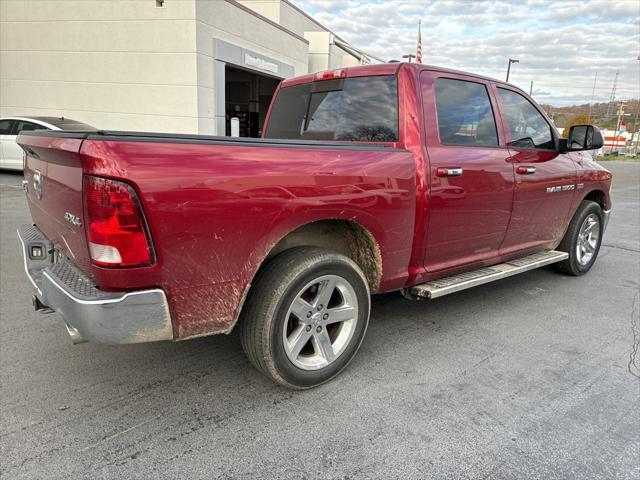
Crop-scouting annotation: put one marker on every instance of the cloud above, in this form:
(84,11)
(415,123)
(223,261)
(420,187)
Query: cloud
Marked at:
(560,44)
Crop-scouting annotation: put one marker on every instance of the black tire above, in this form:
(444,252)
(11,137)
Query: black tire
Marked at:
(573,266)
(275,289)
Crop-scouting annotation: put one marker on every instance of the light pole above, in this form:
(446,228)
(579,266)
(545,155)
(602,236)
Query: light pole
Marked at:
(511,60)
(409,56)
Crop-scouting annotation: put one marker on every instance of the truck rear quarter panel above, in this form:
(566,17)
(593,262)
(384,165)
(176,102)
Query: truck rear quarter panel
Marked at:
(215,211)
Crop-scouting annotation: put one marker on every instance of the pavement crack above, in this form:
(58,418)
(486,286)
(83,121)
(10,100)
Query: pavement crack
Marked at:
(620,248)
(634,363)
(117,434)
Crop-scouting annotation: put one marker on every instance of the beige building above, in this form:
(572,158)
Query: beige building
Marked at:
(184,66)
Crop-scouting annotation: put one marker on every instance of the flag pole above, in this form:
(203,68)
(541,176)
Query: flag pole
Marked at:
(419,46)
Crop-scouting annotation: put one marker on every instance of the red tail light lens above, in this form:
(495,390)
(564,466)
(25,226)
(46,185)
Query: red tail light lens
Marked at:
(116,228)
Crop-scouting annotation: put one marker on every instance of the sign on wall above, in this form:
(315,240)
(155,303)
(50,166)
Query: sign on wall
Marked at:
(255,61)
(242,57)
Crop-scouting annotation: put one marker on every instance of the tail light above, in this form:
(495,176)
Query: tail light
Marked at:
(116,228)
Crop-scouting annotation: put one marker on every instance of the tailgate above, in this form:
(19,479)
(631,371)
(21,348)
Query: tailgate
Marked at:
(53,174)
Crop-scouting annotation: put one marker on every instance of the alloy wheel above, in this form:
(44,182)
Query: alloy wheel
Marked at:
(588,237)
(320,322)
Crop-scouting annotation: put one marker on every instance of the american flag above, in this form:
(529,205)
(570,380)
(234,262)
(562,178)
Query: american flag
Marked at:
(419,50)
(623,126)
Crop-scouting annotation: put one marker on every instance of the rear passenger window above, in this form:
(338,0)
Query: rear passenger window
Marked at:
(5,127)
(464,111)
(528,127)
(27,126)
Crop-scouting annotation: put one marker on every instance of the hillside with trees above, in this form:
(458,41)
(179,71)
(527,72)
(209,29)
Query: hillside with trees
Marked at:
(563,115)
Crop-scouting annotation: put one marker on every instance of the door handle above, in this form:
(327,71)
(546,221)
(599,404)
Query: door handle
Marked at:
(526,170)
(448,172)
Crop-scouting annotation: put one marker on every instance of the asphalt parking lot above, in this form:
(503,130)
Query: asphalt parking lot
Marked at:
(529,377)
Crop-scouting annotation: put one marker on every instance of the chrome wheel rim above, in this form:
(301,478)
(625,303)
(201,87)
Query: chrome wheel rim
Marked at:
(320,322)
(588,237)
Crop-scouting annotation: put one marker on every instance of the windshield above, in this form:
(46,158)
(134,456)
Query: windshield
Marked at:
(363,109)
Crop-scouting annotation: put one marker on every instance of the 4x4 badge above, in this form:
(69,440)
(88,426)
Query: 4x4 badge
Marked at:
(37,183)
(72,219)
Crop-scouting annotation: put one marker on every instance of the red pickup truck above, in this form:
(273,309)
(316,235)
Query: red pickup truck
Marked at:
(368,179)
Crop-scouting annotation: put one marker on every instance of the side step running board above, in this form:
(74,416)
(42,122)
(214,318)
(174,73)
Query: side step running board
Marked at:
(455,283)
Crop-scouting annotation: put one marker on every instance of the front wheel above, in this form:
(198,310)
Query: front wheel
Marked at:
(305,316)
(582,240)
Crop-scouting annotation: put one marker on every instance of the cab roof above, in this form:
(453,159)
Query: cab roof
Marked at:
(386,69)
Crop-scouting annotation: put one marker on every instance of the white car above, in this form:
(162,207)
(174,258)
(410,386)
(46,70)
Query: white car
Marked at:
(10,127)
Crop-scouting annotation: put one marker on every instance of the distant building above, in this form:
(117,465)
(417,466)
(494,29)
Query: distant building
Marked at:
(615,142)
(159,65)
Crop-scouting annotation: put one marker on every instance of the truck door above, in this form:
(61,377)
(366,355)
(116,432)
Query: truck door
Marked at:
(470,176)
(545,179)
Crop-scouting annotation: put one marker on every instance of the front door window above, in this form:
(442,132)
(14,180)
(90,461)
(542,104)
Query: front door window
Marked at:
(527,126)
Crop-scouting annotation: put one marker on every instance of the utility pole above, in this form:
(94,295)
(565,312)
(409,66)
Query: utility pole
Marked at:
(511,60)
(409,56)
(635,132)
(531,89)
(620,115)
(593,94)
(613,93)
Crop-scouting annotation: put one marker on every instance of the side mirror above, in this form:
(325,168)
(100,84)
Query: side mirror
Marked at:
(582,137)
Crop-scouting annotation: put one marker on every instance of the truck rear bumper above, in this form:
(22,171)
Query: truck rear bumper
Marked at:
(89,313)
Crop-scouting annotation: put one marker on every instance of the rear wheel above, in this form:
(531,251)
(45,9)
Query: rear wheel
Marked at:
(305,316)
(582,240)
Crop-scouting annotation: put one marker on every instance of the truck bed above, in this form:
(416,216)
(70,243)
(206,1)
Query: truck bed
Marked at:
(216,206)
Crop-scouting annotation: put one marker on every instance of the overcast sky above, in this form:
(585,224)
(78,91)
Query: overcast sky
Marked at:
(560,44)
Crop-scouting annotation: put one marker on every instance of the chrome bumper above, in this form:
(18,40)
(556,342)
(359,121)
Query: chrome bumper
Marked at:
(606,214)
(89,313)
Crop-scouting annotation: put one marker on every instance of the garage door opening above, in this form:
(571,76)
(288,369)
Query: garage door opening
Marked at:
(247,97)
